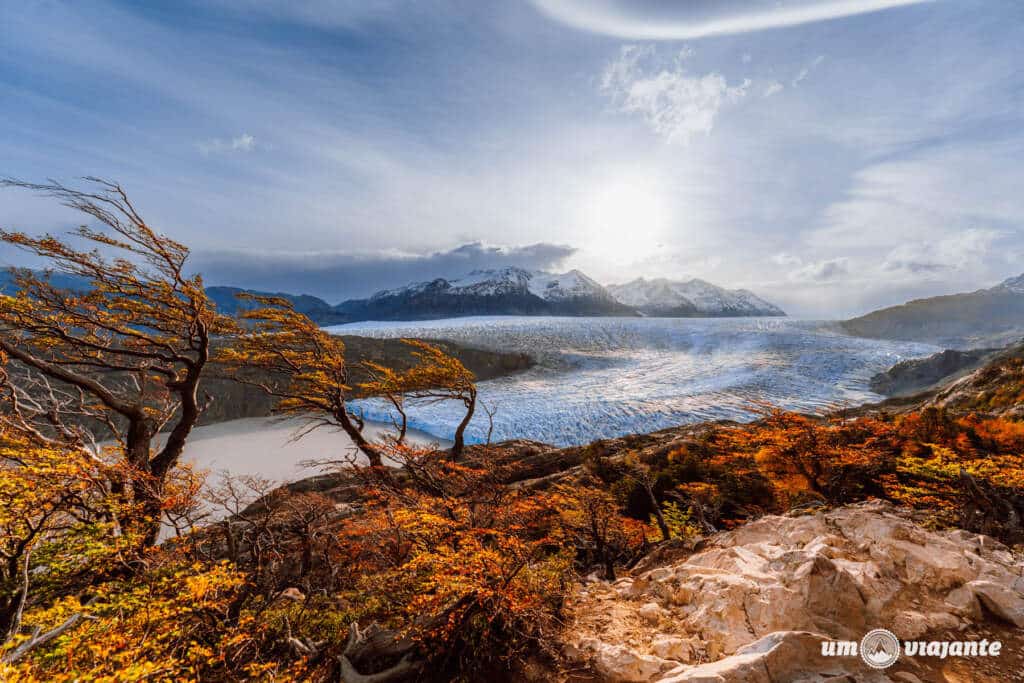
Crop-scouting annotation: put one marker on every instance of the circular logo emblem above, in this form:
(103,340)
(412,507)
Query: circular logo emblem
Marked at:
(879,648)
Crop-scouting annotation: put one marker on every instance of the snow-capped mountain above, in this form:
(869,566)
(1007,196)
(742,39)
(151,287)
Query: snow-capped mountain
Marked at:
(690,298)
(504,291)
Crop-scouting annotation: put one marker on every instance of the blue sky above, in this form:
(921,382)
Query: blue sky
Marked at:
(831,158)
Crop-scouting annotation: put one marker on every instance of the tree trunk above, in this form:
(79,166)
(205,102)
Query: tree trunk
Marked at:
(460,433)
(12,603)
(356,434)
(659,517)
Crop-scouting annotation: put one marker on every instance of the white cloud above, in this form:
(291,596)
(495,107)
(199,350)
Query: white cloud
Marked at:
(806,71)
(822,271)
(773,88)
(673,103)
(241,143)
(687,20)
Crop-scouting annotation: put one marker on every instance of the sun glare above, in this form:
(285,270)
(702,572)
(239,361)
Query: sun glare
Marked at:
(624,218)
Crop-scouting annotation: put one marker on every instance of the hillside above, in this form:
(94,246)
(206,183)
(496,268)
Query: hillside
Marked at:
(785,534)
(987,317)
(996,388)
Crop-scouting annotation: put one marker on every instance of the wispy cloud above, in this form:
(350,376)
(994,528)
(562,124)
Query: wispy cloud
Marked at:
(675,104)
(927,197)
(325,13)
(804,72)
(688,20)
(241,143)
(964,250)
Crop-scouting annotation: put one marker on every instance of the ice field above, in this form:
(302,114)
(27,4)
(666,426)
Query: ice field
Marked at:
(603,377)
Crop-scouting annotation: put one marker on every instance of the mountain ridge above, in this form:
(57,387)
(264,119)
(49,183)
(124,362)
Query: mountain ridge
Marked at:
(691,298)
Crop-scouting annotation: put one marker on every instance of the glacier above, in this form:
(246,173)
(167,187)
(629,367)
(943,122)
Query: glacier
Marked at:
(605,377)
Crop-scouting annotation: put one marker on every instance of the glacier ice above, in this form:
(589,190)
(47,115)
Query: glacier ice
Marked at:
(605,377)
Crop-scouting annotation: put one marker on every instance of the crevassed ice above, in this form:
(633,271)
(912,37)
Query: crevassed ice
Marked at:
(605,377)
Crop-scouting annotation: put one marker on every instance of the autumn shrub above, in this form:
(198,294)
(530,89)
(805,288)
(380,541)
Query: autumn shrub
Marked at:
(473,575)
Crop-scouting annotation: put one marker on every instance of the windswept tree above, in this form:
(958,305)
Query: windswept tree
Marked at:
(126,349)
(289,357)
(434,377)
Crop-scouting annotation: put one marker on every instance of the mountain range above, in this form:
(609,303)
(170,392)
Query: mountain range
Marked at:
(515,291)
(985,317)
(512,291)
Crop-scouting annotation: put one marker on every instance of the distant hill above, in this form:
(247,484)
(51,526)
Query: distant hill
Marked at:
(225,298)
(318,310)
(691,298)
(986,317)
(505,291)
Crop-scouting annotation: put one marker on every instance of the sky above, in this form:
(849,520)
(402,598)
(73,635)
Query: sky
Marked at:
(833,156)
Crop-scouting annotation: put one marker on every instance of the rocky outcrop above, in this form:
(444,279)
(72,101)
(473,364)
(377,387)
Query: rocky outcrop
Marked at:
(997,388)
(755,604)
(917,375)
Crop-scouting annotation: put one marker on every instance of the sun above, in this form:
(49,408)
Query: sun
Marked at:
(624,218)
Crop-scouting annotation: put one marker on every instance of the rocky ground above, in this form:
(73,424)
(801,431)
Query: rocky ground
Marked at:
(753,605)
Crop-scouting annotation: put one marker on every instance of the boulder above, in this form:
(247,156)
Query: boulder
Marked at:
(620,664)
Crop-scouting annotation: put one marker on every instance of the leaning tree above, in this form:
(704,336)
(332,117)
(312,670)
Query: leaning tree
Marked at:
(293,360)
(125,339)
